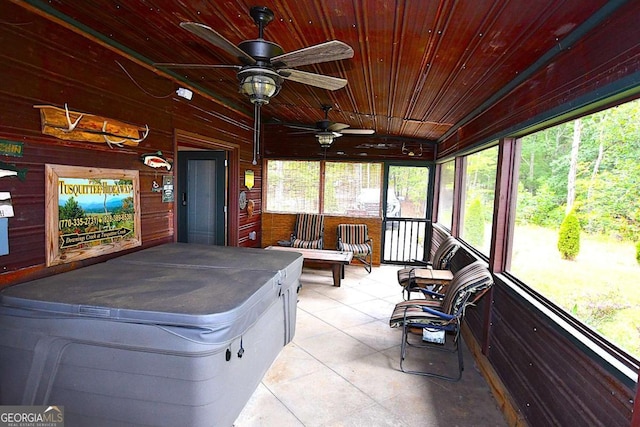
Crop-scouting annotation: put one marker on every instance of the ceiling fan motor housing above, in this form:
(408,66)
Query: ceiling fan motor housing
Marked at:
(261,50)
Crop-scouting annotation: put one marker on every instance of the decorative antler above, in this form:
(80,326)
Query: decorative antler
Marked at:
(58,123)
(122,141)
(73,125)
(146,132)
(107,140)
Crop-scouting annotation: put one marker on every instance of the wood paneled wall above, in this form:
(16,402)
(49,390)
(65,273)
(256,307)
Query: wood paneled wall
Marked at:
(45,63)
(554,380)
(279,227)
(540,374)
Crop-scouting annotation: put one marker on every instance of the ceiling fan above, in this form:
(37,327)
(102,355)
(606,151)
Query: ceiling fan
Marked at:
(326,131)
(263,65)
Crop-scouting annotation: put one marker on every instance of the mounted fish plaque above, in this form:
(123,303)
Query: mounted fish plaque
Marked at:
(90,212)
(11,170)
(74,126)
(156,160)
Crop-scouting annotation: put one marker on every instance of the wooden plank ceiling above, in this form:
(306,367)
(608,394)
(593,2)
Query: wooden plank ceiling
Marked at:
(420,67)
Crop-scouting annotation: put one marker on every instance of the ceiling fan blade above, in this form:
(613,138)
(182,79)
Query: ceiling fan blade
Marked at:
(213,37)
(333,50)
(301,127)
(337,127)
(302,132)
(358,131)
(179,65)
(317,80)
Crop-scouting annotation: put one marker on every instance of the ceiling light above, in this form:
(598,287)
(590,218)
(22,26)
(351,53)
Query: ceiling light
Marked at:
(409,152)
(259,84)
(325,138)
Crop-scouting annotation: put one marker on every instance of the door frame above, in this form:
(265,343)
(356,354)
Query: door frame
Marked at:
(219,157)
(429,208)
(184,138)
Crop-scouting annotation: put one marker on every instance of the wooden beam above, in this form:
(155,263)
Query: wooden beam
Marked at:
(504,204)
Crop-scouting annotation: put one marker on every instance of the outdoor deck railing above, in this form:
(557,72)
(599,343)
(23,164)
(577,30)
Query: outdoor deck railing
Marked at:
(405,240)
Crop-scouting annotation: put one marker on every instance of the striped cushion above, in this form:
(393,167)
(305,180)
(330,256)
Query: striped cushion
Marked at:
(356,248)
(309,227)
(445,252)
(438,236)
(353,233)
(307,244)
(441,261)
(470,280)
(354,238)
(406,276)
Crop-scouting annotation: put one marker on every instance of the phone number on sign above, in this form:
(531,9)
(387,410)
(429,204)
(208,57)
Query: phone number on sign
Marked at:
(93,220)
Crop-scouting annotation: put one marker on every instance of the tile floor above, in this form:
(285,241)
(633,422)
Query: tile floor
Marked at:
(342,368)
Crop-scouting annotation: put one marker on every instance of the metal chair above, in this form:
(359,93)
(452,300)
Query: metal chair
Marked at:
(355,238)
(308,232)
(439,315)
(440,261)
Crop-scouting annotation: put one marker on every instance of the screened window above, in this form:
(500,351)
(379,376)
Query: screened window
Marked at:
(293,186)
(478,195)
(347,188)
(589,266)
(445,194)
(352,188)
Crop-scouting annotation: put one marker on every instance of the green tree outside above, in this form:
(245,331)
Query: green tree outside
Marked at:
(569,237)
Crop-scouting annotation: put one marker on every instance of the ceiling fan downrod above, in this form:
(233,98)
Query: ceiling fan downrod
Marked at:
(261,15)
(256,131)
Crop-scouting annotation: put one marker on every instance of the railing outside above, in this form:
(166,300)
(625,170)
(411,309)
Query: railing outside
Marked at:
(406,240)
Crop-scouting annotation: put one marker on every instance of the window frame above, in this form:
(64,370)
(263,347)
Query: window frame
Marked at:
(437,194)
(615,360)
(265,192)
(322,183)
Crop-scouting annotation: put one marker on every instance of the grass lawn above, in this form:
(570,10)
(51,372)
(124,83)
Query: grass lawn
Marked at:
(600,287)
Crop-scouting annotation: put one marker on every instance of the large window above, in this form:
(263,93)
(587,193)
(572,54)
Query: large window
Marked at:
(352,188)
(445,195)
(293,186)
(578,220)
(478,194)
(346,188)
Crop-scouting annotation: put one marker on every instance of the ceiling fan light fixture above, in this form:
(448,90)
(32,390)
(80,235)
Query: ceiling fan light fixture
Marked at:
(411,153)
(325,139)
(260,86)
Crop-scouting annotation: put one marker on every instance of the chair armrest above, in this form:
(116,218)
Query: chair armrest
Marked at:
(438,313)
(430,293)
(427,264)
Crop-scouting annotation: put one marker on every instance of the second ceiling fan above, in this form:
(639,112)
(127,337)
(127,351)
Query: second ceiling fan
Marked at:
(326,131)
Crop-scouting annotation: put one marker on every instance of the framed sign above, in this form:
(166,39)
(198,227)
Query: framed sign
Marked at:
(90,212)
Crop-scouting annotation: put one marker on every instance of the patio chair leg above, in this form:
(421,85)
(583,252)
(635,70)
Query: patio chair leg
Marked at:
(456,349)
